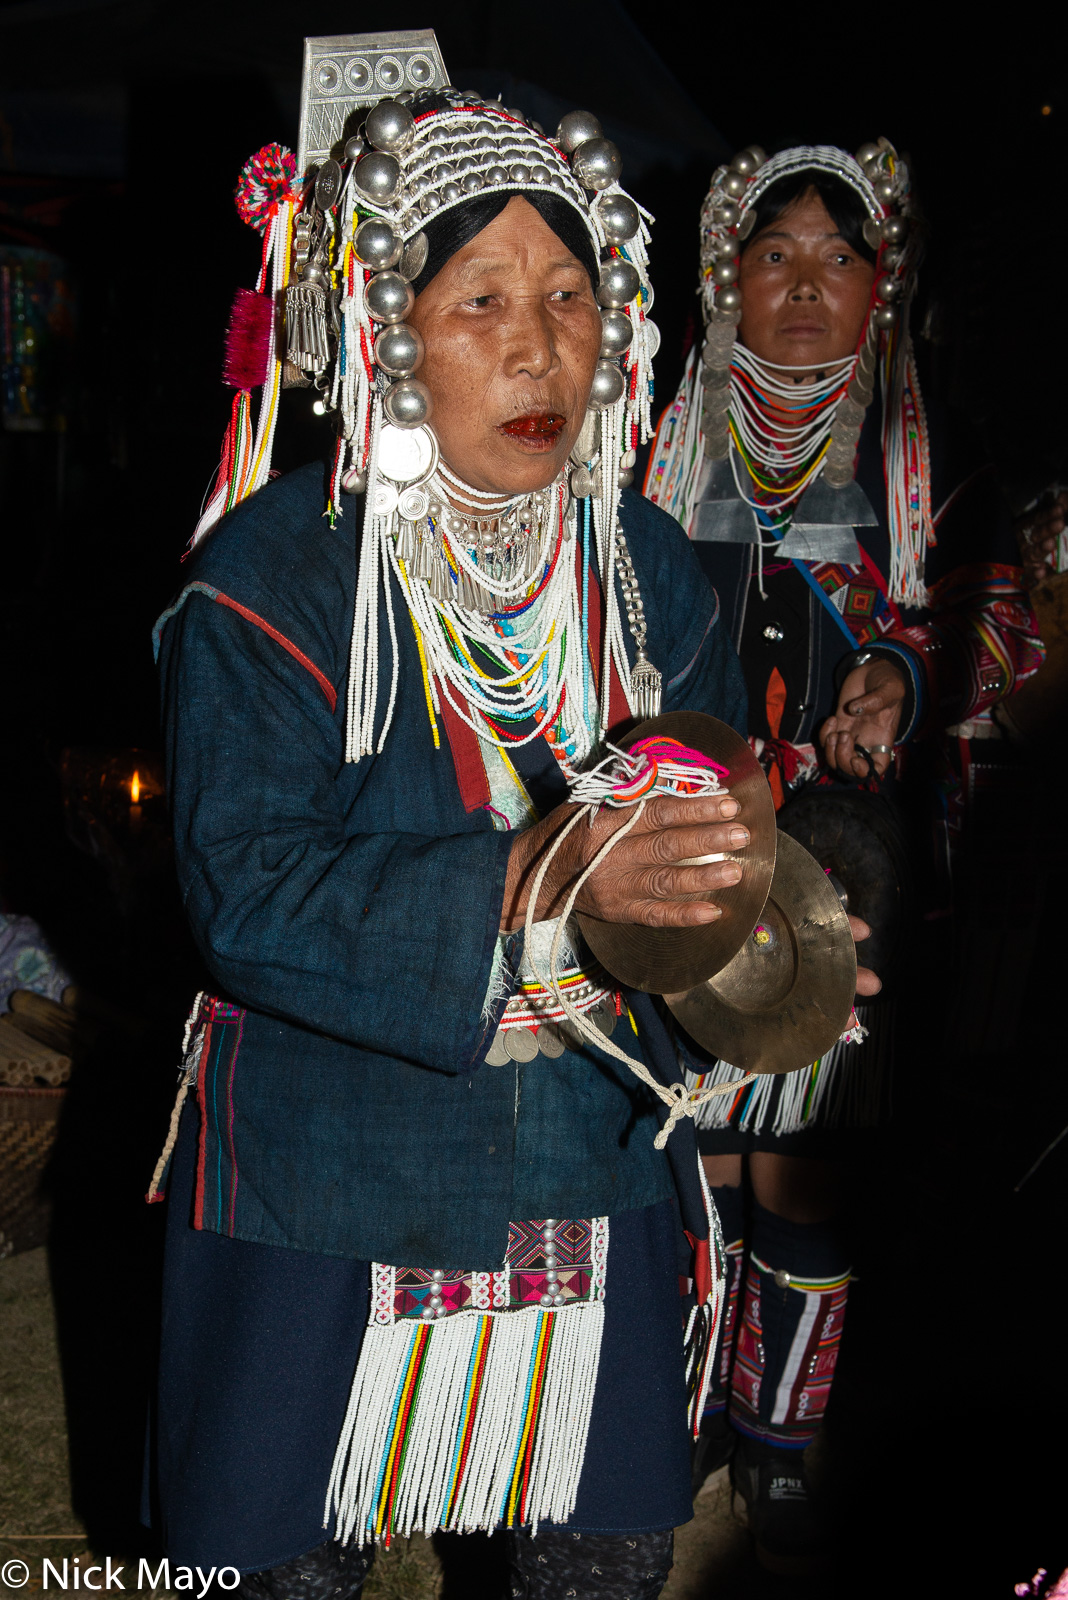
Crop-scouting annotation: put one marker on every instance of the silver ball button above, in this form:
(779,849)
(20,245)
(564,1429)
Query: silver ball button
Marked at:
(389,298)
(378,176)
(619,283)
(597,163)
(617,331)
(390,127)
(399,350)
(376,245)
(577,128)
(619,216)
(408,403)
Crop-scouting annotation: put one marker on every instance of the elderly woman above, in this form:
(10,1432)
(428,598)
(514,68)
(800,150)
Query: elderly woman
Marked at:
(797,456)
(423,1257)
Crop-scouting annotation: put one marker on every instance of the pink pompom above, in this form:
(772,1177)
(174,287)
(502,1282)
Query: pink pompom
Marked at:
(248,340)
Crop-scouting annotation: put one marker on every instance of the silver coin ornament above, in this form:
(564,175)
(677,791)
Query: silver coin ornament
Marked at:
(619,216)
(414,258)
(607,386)
(617,332)
(521,1044)
(376,245)
(549,1041)
(390,127)
(354,481)
(407,455)
(497,1055)
(328,182)
(408,403)
(577,128)
(389,298)
(413,504)
(378,176)
(399,349)
(597,163)
(652,338)
(619,283)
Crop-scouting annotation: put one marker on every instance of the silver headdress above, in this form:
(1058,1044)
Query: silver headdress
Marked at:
(700,456)
(344,242)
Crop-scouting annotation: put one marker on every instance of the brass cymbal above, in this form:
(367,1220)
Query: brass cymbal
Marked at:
(660,959)
(785,999)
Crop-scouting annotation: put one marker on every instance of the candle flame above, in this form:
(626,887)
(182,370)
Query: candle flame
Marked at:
(135,789)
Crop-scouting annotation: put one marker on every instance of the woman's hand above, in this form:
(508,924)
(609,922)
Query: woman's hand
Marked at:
(867,983)
(1038,533)
(868,713)
(641,879)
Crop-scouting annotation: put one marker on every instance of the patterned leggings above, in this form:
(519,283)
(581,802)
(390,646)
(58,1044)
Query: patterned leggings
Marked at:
(556,1565)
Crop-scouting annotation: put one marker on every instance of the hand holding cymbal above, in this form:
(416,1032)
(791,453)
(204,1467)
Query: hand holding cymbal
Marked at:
(681,947)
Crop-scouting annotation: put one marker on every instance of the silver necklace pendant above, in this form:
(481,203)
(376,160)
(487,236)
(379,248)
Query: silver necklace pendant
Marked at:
(646,685)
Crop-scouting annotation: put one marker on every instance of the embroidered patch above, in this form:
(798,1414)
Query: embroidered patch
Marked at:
(574,1254)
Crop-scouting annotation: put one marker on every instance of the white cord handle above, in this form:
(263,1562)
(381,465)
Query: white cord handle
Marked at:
(683,1102)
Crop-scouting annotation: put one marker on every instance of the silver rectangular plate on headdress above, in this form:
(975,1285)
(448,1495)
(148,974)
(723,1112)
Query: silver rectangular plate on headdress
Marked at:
(345,72)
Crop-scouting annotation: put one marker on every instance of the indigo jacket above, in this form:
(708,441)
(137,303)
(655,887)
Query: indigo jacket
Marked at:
(349,915)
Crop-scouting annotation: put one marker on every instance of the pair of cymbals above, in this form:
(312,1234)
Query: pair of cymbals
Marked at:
(787,995)
(662,960)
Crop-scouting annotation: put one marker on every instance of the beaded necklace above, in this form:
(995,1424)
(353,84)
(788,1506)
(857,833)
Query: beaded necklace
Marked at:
(519,654)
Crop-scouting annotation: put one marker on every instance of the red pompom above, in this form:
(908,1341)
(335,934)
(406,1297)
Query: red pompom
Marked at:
(248,340)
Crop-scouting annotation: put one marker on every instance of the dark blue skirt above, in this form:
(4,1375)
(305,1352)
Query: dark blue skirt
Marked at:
(259,1347)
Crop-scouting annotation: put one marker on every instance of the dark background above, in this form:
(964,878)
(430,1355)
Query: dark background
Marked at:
(122,129)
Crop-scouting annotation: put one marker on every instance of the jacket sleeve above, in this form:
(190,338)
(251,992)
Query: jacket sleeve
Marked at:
(979,642)
(383,939)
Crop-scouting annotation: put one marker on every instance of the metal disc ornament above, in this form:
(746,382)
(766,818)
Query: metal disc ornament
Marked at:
(406,455)
(787,996)
(668,960)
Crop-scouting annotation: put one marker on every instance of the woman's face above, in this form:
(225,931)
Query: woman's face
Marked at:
(512,335)
(805,292)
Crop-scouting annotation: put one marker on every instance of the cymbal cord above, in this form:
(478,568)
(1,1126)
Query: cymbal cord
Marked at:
(681,1101)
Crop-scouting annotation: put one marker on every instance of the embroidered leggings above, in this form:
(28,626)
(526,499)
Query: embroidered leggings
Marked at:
(556,1565)
(782,1326)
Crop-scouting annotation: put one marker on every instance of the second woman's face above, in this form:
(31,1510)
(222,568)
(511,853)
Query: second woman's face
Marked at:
(512,335)
(805,292)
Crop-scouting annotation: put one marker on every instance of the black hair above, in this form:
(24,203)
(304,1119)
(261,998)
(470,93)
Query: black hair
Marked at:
(454,228)
(844,206)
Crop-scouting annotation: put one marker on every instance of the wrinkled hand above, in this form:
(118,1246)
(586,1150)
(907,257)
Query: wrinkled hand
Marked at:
(1038,533)
(640,880)
(868,712)
(867,983)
